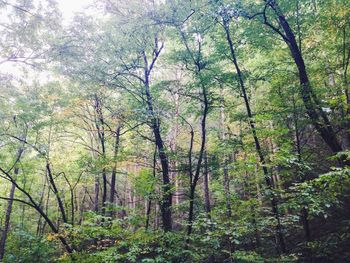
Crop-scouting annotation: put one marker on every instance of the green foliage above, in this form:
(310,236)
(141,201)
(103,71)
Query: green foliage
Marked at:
(245,257)
(145,182)
(135,246)
(24,247)
(321,195)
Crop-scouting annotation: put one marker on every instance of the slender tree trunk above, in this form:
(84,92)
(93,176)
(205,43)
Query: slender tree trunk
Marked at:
(199,66)
(7,220)
(156,218)
(175,176)
(174,163)
(56,192)
(206,186)
(313,107)
(104,191)
(268,180)
(194,178)
(46,208)
(226,179)
(306,225)
(148,213)
(227,190)
(167,196)
(38,229)
(81,207)
(100,126)
(72,206)
(190,210)
(166,203)
(149,203)
(114,171)
(97,193)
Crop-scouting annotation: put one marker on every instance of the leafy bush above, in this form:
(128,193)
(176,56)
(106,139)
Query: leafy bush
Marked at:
(24,247)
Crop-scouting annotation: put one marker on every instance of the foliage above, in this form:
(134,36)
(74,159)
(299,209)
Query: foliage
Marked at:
(24,247)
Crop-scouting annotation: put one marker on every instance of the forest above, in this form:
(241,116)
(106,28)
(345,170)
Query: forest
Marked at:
(159,131)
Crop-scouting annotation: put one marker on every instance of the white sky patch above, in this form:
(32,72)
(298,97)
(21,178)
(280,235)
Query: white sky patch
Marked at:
(69,7)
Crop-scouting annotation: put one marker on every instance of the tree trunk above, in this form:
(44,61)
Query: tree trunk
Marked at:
(97,193)
(226,179)
(149,203)
(178,191)
(104,191)
(268,180)
(56,192)
(166,202)
(227,190)
(314,110)
(194,178)
(206,186)
(114,171)
(100,126)
(7,220)
(190,210)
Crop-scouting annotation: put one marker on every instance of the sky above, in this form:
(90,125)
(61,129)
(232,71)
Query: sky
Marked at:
(69,7)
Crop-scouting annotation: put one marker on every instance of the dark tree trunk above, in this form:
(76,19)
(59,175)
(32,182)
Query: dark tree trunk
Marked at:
(72,206)
(306,225)
(7,220)
(97,193)
(38,228)
(206,186)
(149,203)
(199,66)
(268,180)
(166,202)
(194,178)
(148,213)
(314,110)
(100,126)
(227,190)
(104,191)
(167,196)
(190,210)
(56,192)
(114,171)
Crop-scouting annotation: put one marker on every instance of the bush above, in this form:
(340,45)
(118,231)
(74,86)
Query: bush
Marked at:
(24,247)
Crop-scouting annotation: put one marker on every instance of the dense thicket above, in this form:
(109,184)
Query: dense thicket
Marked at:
(175,131)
